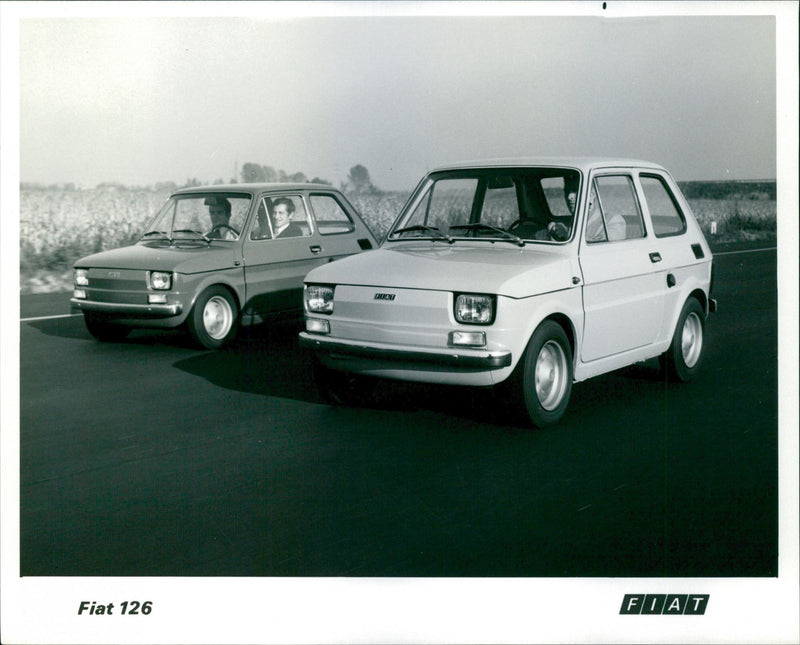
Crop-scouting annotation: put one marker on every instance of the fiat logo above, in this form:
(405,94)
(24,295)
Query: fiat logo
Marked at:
(384,296)
(114,274)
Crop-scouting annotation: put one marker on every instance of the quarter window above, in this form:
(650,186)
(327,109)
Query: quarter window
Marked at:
(331,217)
(664,212)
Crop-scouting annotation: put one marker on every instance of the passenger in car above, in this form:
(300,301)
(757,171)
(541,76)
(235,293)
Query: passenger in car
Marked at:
(282,210)
(596,231)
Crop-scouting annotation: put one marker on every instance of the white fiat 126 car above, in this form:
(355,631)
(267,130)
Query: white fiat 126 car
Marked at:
(529,273)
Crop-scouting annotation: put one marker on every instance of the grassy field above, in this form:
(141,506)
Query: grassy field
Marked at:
(58,226)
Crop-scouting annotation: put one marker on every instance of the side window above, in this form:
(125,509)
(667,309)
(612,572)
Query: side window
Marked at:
(664,212)
(331,217)
(281,217)
(614,212)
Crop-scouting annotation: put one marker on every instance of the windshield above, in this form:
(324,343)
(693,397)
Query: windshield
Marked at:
(205,216)
(507,204)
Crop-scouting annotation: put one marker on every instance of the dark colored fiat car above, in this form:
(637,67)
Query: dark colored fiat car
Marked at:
(216,257)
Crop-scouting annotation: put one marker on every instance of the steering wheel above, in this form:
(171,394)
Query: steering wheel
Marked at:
(219,227)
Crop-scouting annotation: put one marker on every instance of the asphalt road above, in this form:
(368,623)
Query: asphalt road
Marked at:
(151,458)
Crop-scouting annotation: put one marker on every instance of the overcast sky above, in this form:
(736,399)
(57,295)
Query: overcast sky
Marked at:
(139,99)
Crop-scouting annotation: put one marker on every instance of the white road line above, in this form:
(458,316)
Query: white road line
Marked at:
(22,320)
(771,248)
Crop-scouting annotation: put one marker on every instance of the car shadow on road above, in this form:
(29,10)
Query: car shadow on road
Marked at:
(73,327)
(267,360)
(264,359)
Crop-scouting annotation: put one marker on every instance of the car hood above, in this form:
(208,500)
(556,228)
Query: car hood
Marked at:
(153,257)
(486,268)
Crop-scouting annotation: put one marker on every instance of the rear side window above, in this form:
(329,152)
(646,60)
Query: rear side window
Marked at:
(664,212)
(331,217)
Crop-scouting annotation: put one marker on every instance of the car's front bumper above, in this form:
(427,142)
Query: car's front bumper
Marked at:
(450,358)
(127,309)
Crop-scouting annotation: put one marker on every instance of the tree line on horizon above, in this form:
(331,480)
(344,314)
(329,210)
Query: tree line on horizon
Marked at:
(358,181)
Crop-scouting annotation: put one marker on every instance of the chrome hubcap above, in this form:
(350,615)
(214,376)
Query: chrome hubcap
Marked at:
(550,375)
(217,317)
(692,339)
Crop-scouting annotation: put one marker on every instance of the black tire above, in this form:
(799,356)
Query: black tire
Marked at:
(103,330)
(685,354)
(545,374)
(343,388)
(214,319)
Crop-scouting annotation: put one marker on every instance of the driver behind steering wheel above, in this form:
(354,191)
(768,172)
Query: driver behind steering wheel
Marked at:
(219,209)
(558,230)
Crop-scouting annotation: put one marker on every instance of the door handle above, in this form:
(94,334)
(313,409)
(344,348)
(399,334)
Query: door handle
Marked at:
(655,257)
(316,248)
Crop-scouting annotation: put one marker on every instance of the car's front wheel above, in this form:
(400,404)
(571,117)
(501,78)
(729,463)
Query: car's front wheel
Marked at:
(682,359)
(213,319)
(546,374)
(103,330)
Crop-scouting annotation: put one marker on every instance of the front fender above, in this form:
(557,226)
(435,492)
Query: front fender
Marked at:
(518,318)
(195,283)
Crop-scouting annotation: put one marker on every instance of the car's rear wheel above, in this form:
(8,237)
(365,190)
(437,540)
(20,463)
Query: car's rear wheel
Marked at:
(343,388)
(682,359)
(103,330)
(213,319)
(546,374)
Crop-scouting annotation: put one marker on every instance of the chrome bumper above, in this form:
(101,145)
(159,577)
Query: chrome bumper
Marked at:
(451,357)
(124,309)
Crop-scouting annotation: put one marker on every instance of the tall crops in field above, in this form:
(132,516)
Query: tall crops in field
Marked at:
(58,226)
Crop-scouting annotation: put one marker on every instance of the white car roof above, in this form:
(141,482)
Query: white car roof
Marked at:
(585,164)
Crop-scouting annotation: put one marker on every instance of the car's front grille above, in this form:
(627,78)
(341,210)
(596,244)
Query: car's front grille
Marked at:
(118,280)
(120,297)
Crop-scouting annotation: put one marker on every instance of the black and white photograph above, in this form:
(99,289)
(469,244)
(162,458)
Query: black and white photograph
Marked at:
(414,322)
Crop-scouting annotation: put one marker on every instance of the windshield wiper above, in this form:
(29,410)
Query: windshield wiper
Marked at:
(509,237)
(423,227)
(194,232)
(163,234)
